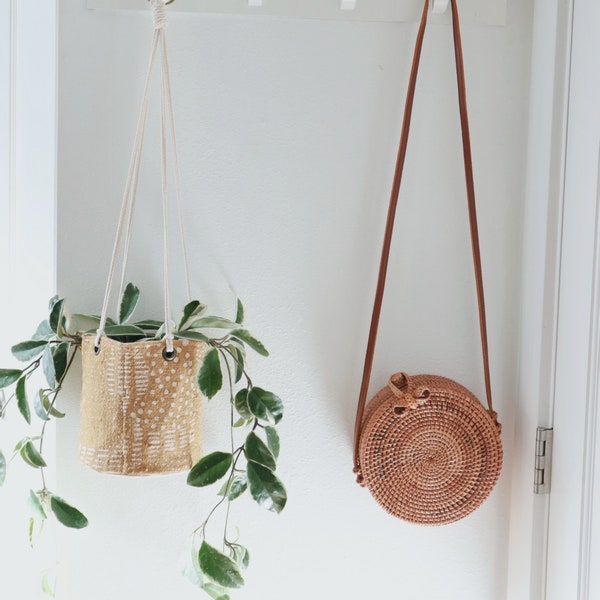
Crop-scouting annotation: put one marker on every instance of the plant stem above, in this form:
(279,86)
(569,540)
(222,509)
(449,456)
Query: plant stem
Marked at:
(27,372)
(202,526)
(237,362)
(51,406)
(231,475)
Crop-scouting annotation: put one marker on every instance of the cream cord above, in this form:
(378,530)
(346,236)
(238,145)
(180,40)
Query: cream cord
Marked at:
(131,185)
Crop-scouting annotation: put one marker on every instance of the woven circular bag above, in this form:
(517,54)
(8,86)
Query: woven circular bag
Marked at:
(140,413)
(427,449)
(430,452)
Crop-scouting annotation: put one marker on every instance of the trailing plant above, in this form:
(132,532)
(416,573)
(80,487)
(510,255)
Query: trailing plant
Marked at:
(249,464)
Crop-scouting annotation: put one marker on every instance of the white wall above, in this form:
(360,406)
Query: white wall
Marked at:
(288,132)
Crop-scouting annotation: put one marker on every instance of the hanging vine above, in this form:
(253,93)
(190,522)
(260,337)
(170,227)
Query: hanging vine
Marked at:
(249,464)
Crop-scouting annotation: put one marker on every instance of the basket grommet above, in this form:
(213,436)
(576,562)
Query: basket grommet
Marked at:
(399,409)
(169,354)
(96,349)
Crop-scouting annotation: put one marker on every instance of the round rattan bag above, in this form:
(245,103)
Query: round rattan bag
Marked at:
(430,453)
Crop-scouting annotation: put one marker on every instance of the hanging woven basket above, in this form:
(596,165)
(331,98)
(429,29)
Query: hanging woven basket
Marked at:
(141,406)
(140,413)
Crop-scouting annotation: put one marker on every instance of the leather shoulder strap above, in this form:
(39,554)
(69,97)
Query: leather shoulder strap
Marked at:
(385,253)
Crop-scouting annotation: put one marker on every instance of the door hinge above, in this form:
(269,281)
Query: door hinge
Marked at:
(543,460)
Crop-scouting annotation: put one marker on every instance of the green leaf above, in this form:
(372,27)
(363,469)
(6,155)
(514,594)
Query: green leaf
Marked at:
(67,514)
(235,487)
(20,444)
(240,555)
(151,324)
(53,301)
(59,357)
(234,342)
(29,453)
(191,569)
(40,401)
(210,377)
(272,440)
(62,328)
(209,469)
(22,403)
(129,300)
(265,406)
(46,588)
(95,322)
(240,422)
(119,330)
(216,592)
(257,451)
(191,335)
(191,309)
(25,351)
(241,404)
(2,469)
(56,314)
(50,408)
(42,405)
(239,369)
(43,332)
(249,339)
(212,323)
(238,359)
(36,506)
(239,316)
(80,323)
(8,376)
(265,487)
(218,567)
(48,367)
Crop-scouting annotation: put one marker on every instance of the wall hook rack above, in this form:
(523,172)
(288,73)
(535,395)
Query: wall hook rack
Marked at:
(479,12)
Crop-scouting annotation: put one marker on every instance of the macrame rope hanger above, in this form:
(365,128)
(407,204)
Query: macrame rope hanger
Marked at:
(124,226)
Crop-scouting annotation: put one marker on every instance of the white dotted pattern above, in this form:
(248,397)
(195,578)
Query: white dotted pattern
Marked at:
(140,414)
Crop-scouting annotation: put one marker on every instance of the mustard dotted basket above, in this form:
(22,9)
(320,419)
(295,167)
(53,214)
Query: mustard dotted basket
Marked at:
(140,413)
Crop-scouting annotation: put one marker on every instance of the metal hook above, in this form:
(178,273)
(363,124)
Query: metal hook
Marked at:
(168,2)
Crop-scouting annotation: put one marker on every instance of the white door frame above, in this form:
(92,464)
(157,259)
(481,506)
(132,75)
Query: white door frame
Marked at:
(560,363)
(28,74)
(28,124)
(542,243)
(574,534)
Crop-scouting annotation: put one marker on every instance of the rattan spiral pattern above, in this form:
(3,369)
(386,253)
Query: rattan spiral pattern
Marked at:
(430,453)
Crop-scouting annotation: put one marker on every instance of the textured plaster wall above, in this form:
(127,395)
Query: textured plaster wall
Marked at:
(288,131)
